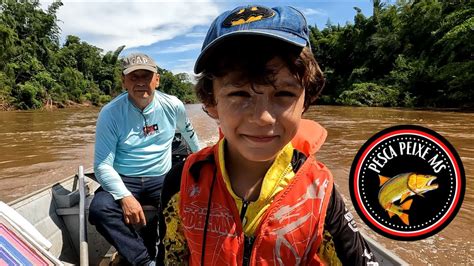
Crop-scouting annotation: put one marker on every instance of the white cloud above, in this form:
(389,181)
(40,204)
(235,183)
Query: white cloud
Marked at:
(196,35)
(314,11)
(109,24)
(184,66)
(180,49)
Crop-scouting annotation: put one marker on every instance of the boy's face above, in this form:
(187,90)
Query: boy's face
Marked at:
(258,120)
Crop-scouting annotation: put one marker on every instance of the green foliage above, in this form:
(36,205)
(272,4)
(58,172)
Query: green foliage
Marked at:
(369,94)
(36,71)
(460,85)
(410,53)
(179,85)
(29,95)
(6,84)
(74,83)
(423,50)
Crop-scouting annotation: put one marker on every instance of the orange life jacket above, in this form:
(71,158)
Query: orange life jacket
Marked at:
(290,231)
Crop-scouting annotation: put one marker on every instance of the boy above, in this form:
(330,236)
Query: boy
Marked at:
(258,196)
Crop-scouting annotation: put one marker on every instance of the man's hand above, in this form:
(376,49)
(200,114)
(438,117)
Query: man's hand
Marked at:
(132,211)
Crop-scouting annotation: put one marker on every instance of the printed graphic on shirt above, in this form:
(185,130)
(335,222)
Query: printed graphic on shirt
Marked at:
(291,218)
(407,182)
(150,130)
(350,221)
(220,219)
(189,128)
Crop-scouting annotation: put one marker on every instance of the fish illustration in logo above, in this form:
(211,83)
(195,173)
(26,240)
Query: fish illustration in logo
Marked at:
(399,188)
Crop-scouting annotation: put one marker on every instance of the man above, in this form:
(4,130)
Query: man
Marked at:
(132,155)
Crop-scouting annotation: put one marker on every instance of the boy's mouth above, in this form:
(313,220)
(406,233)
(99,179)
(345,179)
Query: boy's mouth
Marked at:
(262,139)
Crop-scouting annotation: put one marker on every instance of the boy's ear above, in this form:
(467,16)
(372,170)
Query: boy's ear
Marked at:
(211,111)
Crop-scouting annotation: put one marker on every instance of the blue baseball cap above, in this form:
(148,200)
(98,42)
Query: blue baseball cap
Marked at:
(281,23)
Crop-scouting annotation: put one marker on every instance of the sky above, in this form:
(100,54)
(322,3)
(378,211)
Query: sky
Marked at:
(172,32)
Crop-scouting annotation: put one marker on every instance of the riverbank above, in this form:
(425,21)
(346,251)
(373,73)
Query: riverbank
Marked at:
(70,104)
(434,109)
(4,107)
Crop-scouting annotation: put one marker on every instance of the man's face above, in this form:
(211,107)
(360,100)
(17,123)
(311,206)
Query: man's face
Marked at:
(141,85)
(258,122)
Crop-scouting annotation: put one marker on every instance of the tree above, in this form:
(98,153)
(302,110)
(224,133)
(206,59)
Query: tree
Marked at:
(422,49)
(35,70)
(179,85)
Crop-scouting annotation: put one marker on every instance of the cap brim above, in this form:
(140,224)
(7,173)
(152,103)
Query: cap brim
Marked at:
(142,67)
(275,34)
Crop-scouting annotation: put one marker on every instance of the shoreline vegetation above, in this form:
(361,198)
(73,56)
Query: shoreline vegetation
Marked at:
(88,104)
(412,54)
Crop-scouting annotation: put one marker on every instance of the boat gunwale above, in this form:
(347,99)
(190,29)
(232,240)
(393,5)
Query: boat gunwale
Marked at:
(45,188)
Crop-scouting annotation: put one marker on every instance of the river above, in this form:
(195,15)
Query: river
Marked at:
(39,148)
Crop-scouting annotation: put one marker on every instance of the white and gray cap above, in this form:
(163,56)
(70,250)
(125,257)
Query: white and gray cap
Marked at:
(138,61)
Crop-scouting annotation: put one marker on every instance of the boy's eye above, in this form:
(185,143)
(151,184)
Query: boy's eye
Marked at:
(285,94)
(239,94)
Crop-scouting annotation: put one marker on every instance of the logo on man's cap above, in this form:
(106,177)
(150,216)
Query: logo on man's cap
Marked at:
(138,61)
(248,15)
(407,182)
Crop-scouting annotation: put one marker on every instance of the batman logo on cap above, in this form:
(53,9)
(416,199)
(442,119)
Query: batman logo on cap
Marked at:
(248,15)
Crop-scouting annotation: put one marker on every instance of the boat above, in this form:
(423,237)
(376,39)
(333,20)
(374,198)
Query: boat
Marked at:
(52,226)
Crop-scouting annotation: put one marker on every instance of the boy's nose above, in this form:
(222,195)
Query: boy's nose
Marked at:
(262,113)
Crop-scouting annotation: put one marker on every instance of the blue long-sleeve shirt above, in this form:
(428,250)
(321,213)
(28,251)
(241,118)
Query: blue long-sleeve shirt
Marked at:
(123,148)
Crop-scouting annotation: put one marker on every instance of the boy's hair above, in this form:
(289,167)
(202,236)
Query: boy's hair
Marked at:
(248,56)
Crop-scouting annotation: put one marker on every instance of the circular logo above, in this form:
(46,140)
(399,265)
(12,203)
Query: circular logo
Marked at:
(407,182)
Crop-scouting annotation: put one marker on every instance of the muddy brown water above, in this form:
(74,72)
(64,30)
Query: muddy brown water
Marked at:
(39,148)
